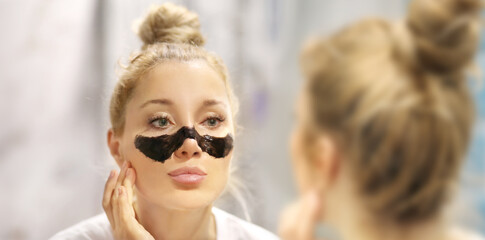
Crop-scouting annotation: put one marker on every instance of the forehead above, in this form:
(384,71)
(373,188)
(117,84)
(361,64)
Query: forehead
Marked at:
(186,81)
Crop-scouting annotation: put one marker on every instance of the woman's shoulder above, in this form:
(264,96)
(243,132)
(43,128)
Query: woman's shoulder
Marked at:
(458,233)
(93,228)
(232,228)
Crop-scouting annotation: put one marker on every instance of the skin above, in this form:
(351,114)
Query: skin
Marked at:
(329,195)
(143,201)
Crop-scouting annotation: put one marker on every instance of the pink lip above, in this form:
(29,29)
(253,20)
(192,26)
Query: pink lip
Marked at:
(188,175)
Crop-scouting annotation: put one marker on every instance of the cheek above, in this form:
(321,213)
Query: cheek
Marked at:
(219,169)
(148,172)
(129,151)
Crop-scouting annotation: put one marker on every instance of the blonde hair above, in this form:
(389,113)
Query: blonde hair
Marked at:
(395,97)
(169,33)
(172,33)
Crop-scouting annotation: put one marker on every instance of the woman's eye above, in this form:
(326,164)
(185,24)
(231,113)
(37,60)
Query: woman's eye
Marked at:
(213,122)
(160,122)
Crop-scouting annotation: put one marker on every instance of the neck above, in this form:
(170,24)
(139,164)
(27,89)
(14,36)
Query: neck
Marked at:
(164,223)
(346,212)
(360,229)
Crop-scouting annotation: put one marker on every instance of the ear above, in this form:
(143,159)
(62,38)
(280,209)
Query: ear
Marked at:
(327,160)
(114,147)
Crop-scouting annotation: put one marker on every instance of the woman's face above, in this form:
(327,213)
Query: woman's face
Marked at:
(175,95)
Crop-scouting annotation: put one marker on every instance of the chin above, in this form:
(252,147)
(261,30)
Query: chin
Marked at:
(190,199)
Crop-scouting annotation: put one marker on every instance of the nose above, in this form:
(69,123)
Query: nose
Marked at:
(188,150)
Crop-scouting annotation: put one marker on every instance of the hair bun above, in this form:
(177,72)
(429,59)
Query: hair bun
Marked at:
(445,32)
(171,24)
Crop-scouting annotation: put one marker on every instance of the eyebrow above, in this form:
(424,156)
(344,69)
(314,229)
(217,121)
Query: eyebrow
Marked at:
(211,102)
(163,101)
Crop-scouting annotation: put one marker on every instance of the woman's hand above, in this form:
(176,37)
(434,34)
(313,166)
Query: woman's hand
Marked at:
(299,220)
(118,205)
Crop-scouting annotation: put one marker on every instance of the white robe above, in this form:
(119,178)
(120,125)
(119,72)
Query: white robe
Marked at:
(228,227)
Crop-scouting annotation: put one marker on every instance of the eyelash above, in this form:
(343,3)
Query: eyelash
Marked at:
(219,118)
(152,120)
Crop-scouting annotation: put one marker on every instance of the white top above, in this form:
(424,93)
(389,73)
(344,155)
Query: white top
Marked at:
(228,227)
(464,234)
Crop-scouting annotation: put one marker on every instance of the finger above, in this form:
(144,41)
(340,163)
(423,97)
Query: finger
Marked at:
(308,216)
(289,221)
(127,220)
(128,184)
(108,193)
(115,207)
(121,178)
(130,178)
(124,209)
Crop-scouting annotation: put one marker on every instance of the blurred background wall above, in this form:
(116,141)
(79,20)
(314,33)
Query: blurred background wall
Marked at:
(58,62)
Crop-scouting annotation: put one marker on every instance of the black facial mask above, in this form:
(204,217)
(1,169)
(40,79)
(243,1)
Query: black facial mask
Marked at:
(161,148)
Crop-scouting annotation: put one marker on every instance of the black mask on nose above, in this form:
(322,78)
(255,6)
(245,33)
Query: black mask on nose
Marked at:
(161,148)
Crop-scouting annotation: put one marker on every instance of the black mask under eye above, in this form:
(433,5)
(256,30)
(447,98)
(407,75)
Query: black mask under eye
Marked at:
(161,148)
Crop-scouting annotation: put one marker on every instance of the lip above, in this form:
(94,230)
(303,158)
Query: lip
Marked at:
(188,175)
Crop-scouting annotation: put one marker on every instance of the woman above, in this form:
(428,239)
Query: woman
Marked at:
(172,116)
(384,125)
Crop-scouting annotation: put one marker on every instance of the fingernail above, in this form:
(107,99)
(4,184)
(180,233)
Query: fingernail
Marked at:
(111,174)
